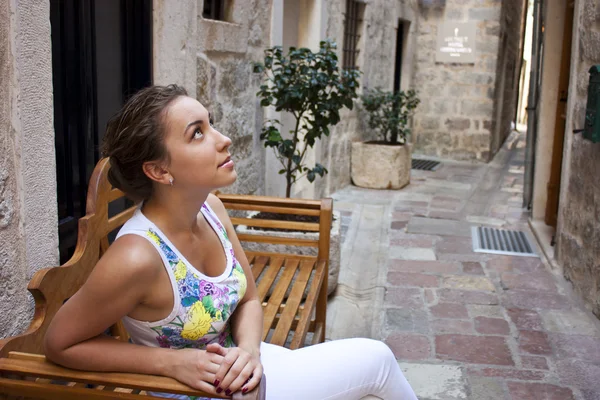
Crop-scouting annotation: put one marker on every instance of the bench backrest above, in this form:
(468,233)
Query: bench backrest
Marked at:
(50,287)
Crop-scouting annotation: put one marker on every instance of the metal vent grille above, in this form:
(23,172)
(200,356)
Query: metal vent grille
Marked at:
(425,165)
(500,241)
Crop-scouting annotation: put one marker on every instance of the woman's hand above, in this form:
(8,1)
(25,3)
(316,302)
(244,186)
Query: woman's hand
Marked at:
(240,369)
(196,368)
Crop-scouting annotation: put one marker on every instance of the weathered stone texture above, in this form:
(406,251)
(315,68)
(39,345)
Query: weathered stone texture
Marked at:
(28,234)
(376,61)
(379,166)
(578,249)
(226,85)
(463,100)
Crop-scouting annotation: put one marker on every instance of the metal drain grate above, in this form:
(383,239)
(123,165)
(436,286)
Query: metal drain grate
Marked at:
(501,241)
(425,165)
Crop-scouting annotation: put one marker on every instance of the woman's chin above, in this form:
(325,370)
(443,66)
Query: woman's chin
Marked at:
(231,179)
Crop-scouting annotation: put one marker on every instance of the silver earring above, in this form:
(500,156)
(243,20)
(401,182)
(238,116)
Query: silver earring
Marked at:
(171,181)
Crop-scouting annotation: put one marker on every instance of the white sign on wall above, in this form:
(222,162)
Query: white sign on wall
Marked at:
(456,42)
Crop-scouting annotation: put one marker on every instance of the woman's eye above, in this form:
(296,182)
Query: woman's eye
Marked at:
(197,134)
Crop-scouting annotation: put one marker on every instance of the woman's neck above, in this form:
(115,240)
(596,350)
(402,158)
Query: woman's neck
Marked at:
(173,212)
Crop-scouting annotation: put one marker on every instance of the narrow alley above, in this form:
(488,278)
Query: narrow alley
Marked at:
(463,325)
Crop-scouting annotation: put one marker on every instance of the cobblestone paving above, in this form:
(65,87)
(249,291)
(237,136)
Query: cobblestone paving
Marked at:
(463,325)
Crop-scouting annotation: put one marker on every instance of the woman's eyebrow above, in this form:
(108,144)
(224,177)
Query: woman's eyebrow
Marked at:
(198,121)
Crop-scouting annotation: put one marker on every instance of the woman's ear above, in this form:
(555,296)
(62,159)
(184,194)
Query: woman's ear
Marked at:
(156,171)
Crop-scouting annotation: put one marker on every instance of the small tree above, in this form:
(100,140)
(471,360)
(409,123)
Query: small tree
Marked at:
(389,113)
(310,87)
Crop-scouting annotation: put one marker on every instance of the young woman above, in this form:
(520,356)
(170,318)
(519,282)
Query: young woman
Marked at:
(178,278)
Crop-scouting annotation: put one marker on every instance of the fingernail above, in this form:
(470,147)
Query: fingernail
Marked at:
(244,390)
(219,390)
(216,382)
(228,392)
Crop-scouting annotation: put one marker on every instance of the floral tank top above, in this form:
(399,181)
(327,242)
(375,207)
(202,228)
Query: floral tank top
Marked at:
(202,304)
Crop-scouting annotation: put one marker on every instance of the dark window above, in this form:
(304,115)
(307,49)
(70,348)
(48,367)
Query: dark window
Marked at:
(214,9)
(101,54)
(352,27)
(399,47)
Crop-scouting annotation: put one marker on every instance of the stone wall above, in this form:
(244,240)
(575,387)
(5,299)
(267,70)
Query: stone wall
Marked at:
(28,214)
(459,103)
(227,86)
(377,62)
(508,71)
(578,233)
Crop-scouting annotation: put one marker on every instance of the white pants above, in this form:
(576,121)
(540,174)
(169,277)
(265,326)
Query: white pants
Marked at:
(347,369)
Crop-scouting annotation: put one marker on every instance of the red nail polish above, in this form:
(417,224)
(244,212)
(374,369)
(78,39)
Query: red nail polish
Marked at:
(244,390)
(216,382)
(228,392)
(219,390)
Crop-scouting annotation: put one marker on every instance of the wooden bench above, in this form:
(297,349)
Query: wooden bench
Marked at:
(288,318)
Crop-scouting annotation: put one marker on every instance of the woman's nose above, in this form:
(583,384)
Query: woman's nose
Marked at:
(223,141)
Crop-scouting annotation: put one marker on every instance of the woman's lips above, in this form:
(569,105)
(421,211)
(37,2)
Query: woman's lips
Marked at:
(227,164)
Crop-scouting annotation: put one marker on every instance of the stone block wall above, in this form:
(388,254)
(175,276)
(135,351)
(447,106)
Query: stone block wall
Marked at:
(459,104)
(508,70)
(578,233)
(28,210)
(376,60)
(227,86)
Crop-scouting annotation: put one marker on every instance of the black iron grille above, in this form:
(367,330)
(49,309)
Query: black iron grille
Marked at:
(425,165)
(352,24)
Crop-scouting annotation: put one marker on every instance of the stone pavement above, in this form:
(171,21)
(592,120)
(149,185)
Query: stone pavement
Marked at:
(463,325)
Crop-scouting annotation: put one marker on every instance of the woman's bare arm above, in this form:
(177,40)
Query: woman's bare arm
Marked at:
(119,283)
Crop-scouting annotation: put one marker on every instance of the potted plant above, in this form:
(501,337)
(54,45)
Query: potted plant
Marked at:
(386,163)
(310,87)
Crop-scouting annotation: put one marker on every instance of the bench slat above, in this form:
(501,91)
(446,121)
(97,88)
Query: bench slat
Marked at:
(245,237)
(309,304)
(277,297)
(291,306)
(271,254)
(272,209)
(119,219)
(270,223)
(44,391)
(115,194)
(258,266)
(269,276)
(269,201)
(46,369)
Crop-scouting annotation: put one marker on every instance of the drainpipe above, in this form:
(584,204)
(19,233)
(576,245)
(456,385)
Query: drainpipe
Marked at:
(532,103)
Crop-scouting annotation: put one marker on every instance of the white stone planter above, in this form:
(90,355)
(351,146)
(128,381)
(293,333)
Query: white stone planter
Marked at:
(380,166)
(334,245)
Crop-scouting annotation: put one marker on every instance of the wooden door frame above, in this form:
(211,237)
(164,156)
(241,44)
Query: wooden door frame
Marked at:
(554,182)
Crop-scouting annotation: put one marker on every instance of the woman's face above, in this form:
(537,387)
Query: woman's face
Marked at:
(199,154)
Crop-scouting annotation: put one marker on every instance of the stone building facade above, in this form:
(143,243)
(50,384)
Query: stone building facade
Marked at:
(578,231)
(467,109)
(565,190)
(376,60)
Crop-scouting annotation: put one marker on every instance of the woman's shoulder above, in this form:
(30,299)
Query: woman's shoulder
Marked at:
(214,202)
(131,255)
